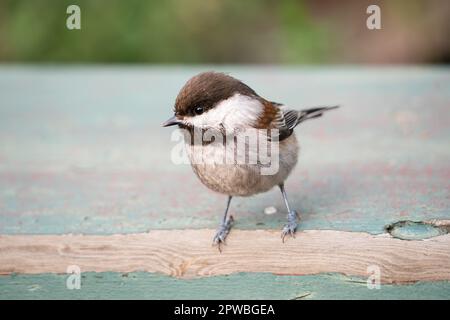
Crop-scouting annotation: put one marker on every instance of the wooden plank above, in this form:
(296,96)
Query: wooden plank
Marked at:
(142,285)
(188,254)
(82,151)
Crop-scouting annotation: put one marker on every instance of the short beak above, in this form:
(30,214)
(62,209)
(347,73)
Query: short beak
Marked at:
(171,122)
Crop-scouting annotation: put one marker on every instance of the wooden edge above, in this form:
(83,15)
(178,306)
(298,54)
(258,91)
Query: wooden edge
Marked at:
(189,253)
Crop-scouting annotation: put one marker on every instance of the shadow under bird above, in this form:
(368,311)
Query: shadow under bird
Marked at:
(222,104)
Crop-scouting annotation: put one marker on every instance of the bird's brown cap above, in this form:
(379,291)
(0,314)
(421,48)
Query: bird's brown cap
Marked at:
(206,90)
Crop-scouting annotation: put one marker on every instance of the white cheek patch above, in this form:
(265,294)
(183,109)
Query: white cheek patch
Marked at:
(238,111)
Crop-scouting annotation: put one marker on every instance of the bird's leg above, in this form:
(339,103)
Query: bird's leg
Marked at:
(289,228)
(224,227)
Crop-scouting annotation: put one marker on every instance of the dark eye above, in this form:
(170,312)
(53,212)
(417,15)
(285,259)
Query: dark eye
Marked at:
(198,110)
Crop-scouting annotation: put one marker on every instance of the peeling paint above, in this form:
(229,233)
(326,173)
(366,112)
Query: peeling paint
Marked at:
(412,230)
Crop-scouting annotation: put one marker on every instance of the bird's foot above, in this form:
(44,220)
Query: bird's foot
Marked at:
(222,233)
(291,226)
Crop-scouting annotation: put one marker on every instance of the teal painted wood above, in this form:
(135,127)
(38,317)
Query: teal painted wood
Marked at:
(81,149)
(237,286)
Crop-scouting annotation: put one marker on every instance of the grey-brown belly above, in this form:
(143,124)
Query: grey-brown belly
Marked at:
(245,179)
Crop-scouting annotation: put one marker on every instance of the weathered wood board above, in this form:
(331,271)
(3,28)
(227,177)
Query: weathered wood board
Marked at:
(81,152)
(142,285)
(189,254)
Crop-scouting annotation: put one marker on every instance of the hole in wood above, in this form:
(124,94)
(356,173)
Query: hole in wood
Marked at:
(413,230)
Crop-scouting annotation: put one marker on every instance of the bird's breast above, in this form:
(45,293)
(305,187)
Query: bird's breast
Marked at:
(243,170)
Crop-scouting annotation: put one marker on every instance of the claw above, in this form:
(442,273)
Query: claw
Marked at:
(222,232)
(219,245)
(288,230)
(291,226)
(219,241)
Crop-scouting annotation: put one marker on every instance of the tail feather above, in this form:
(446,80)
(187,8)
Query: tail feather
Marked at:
(291,118)
(312,113)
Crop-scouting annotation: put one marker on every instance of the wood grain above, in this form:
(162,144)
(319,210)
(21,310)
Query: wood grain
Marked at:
(188,254)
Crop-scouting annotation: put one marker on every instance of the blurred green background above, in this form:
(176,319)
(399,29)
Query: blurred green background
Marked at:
(213,31)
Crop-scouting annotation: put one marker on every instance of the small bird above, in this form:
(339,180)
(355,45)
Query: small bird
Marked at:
(222,104)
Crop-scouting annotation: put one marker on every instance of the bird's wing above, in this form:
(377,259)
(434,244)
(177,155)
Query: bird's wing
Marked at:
(287,119)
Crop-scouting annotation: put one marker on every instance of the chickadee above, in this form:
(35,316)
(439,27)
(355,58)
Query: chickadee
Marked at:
(220,103)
